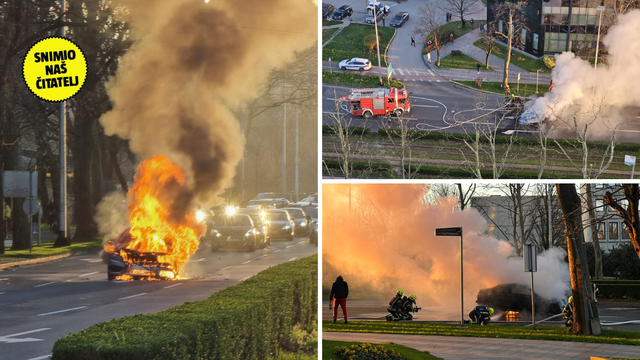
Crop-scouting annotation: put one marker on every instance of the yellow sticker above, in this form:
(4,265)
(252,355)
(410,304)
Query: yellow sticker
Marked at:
(54,69)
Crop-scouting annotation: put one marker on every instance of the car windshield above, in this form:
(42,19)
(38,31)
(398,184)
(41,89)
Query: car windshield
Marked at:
(296,213)
(339,11)
(225,220)
(397,17)
(277,216)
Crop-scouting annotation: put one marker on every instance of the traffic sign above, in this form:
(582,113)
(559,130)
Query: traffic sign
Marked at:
(530,258)
(453,231)
(629,160)
(31,206)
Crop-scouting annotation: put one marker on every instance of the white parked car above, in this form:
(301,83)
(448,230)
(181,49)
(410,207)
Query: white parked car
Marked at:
(355,64)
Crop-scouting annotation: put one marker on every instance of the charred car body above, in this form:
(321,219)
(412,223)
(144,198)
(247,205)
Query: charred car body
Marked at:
(130,264)
(517,297)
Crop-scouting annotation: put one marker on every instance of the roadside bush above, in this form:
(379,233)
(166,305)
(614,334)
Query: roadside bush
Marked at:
(549,61)
(478,83)
(370,43)
(366,351)
(353,130)
(244,321)
(335,164)
(456,53)
(622,263)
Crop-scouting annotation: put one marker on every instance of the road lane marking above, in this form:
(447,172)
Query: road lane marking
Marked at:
(11,339)
(92,260)
(5,279)
(170,286)
(400,71)
(132,296)
(293,258)
(61,311)
(225,268)
(429,106)
(246,262)
(288,246)
(202,259)
(302,242)
(275,251)
(87,274)
(2,293)
(45,284)
(41,357)
(245,278)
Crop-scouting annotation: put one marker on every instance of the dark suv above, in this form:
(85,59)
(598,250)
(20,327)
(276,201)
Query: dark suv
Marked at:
(342,12)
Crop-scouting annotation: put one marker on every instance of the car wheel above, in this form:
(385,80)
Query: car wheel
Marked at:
(343,68)
(253,245)
(111,277)
(361,69)
(291,237)
(367,114)
(398,112)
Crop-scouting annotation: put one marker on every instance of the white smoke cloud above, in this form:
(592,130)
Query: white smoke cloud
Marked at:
(580,90)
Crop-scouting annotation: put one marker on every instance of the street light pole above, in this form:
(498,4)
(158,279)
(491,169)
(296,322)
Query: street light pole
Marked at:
(62,210)
(456,231)
(375,22)
(537,75)
(595,67)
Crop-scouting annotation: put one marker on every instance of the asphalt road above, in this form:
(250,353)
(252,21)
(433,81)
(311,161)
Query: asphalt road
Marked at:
(376,310)
(40,303)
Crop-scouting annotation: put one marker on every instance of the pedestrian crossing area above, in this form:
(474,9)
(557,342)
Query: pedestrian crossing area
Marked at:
(416,75)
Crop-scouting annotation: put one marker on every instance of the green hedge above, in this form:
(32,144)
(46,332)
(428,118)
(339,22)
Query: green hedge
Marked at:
(335,164)
(618,291)
(244,321)
(354,130)
(486,174)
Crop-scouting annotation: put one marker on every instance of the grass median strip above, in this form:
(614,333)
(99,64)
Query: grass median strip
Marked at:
(461,61)
(328,347)
(47,249)
(358,40)
(358,80)
(518,59)
(506,332)
(328,33)
(454,27)
(496,87)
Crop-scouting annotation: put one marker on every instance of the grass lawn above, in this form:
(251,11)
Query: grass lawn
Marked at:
(496,331)
(517,59)
(525,89)
(454,27)
(407,352)
(350,43)
(357,80)
(332,22)
(47,249)
(328,33)
(460,62)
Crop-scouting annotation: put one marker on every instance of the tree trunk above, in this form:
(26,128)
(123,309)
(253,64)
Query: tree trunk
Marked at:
(593,224)
(505,81)
(584,310)
(83,147)
(487,59)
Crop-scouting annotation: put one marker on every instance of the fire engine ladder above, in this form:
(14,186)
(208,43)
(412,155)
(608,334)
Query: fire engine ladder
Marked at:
(368,93)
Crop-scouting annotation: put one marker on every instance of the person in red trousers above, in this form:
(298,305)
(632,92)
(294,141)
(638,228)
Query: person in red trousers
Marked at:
(339,292)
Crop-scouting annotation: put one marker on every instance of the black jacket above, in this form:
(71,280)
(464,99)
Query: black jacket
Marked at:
(339,290)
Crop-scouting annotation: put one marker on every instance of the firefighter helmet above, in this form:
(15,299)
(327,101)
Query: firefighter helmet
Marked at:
(412,297)
(400,292)
(491,311)
(570,299)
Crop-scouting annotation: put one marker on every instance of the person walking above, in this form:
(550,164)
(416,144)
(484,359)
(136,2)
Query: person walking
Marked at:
(339,292)
(478,67)
(471,23)
(429,57)
(429,45)
(413,41)
(551,86)
(451,37)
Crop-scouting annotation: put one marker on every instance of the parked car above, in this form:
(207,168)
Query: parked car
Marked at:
(313,227)
(327,9)
(355,64)
(235,231)
(276,203)
(342,12)
(399,19)
(370,19)
(282,225)
(300,219)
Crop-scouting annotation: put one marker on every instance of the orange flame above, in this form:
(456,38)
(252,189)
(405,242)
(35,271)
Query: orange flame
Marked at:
(159,185)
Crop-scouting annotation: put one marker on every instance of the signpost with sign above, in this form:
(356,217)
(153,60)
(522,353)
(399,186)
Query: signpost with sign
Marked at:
(23,184)
(456,231)
(530,259)
(631,161)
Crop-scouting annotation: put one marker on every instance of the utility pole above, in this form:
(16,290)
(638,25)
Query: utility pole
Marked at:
(375,21)
(297,159)
(63,239)
(284,143)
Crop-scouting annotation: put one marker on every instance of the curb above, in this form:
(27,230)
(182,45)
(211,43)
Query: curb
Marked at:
(43,259)
(389,44)
(476,89)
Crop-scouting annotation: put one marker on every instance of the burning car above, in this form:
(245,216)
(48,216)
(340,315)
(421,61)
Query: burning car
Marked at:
(138,266)
(516,298)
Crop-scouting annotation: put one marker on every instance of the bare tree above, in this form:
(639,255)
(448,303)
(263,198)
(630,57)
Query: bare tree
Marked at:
(401,138)
(429,25)
(487,39)
(514,15)
(460,7)
(465,197)
(585,314)
(593,224)
(629,214)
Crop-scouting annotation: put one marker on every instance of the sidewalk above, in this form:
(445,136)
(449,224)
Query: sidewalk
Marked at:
(459,348)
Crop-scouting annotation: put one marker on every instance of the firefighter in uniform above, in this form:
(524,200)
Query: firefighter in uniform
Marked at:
(408,306)
(481,315)
(567,312)
(395,305)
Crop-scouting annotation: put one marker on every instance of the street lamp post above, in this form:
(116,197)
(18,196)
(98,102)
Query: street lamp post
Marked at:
(537,75)
(375,22)
(595,66)
(456,231)
(62,211)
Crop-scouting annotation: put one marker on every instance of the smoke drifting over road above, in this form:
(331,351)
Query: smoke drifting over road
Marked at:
(384,238)
(578,89)
(190,63)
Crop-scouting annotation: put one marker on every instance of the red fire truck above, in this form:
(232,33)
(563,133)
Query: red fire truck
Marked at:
(369,102)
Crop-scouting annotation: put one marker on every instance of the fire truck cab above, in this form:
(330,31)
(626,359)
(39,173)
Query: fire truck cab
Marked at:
(381,101)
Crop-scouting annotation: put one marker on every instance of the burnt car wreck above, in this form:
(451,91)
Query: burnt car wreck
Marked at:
(130,264)
(517,298)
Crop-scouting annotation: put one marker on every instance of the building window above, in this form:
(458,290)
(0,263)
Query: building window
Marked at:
(625,231)
(599,205)
(499,25)
(524,36)
(613,231)
(535,42)
(602,228)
